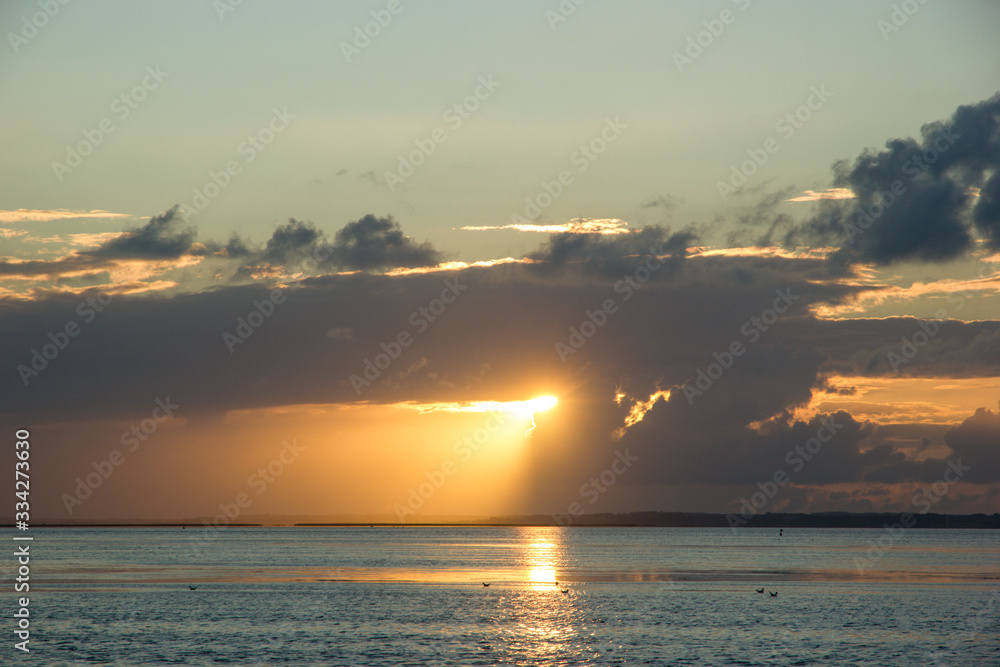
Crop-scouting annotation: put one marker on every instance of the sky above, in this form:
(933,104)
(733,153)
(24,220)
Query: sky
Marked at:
(404,260)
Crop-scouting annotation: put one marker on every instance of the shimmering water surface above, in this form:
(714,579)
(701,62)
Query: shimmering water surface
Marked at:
(415,596)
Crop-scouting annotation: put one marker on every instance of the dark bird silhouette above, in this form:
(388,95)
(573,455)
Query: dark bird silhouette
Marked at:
(760,590)
(565,591)
(485,585)
(781,531)
(194,588)
(773,594)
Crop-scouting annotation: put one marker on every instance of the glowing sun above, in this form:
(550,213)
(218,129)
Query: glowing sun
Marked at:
(540,404)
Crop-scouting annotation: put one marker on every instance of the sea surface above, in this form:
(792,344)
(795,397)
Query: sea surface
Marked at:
(556,596)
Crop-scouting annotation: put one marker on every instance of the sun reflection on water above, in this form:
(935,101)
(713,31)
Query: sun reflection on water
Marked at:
(547,620)
(542,556)
(543,575)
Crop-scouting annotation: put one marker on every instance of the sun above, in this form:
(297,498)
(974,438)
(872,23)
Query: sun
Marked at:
(540,404)
(522,409)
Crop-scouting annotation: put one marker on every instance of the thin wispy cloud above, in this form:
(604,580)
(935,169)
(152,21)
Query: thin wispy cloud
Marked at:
(818,195)
(82,240)
(574,226)
(46,215)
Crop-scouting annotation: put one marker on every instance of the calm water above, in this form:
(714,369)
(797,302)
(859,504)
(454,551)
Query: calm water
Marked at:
(414,596)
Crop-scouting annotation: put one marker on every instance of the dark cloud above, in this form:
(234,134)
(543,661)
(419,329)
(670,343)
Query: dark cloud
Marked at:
(665,328)
(901,346)
(710,440)
(977,441)
(915,198)
(987,211)
(677,243)
(305,351)
(371,243)
(613,255)
(378,243)
(562,248)
(165,236)
(54,268)
(291,243)
(974,453)
(237,247)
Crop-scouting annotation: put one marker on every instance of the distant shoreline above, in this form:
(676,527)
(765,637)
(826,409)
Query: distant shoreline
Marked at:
(627,520)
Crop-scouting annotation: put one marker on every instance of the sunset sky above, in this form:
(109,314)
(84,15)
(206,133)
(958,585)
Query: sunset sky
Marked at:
(419,259)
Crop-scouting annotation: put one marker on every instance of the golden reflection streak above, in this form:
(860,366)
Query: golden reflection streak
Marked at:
(547,618)
(543,556)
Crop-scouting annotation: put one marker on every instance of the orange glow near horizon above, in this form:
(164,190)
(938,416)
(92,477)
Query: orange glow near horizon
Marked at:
(914,400)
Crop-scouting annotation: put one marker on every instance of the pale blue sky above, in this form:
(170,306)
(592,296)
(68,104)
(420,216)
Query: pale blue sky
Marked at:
(557,87)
